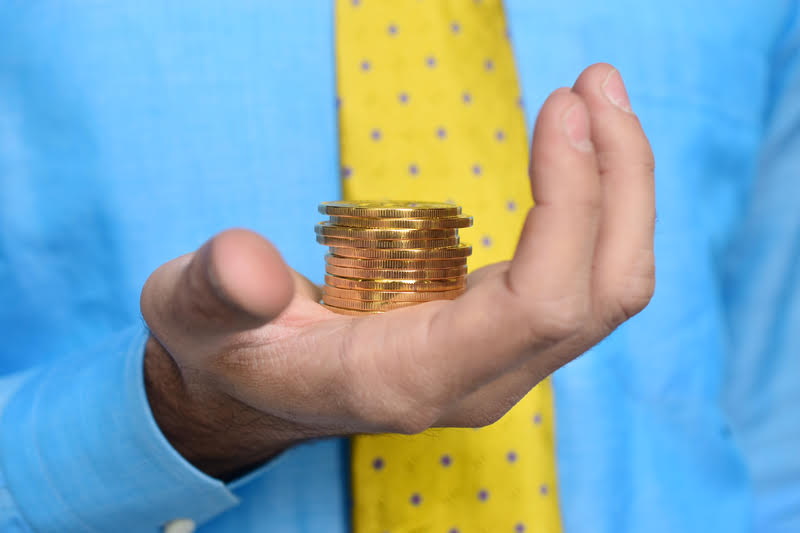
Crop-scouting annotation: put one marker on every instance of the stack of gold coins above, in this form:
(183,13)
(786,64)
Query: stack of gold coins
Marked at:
(385,255)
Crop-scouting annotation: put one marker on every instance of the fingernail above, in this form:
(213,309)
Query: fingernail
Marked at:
(576,126)
(614,89)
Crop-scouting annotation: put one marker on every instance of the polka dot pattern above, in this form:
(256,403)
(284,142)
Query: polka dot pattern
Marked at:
(430,109)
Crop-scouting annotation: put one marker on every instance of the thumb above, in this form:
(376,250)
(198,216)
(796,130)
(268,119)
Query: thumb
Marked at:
(236,281)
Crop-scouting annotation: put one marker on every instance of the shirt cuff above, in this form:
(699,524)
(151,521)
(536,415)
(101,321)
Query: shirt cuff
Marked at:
(82,452)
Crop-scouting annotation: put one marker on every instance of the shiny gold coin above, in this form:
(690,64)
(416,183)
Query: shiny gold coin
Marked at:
(450,252)
(383,273)
(402,264)
(390,296)
(350,312)
(461,221)
(358,305)
(387,243)
(330,230)
(390,209)
(397,285)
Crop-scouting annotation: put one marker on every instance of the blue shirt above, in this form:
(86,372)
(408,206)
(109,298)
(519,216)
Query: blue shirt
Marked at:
(130,132)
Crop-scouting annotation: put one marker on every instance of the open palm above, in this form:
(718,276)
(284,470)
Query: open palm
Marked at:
(258,364)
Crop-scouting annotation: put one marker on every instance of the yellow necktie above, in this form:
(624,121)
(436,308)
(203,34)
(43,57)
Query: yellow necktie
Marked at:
(430,110)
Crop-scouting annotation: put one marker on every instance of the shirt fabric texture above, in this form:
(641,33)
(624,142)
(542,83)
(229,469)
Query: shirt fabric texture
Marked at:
(130,132)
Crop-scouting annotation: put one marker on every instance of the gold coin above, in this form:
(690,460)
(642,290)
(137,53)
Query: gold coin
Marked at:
(330,230)
(461,221)
(358,305)
(382,273)
(450,252)
(390,296)
(397,285)
(390,209)
(387,243)
(350,312)
(402,264)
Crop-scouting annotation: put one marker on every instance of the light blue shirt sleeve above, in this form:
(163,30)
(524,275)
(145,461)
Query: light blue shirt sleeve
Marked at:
(762,297)
(79,435)
(130,132)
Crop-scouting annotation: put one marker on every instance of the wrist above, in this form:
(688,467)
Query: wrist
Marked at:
(216,433)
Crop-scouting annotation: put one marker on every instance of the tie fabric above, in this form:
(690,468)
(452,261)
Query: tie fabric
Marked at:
(430,110)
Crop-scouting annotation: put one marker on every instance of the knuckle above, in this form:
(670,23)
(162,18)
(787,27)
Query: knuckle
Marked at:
(592,205)
(146,303)
(152,301)
(487,417)
(632,295)
(483,420)
(611,162)
(403,417)
(638,296)
(556,321)
(386,408)
(647,166)
(649,160)
(410,421)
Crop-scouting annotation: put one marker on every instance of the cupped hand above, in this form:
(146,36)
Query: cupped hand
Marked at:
(244,362)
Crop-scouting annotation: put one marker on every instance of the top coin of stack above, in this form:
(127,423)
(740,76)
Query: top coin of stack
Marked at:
(385,255)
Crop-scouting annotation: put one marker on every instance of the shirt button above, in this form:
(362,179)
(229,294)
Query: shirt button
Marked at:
(180,525)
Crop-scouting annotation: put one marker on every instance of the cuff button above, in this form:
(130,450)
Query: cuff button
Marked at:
(180,525)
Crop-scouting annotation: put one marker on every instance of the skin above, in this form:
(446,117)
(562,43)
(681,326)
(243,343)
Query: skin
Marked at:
(243,362)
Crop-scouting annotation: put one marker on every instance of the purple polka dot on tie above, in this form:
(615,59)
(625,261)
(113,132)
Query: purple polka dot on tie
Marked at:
(413,169)
(466,97)
(519,528)
(486,241)
(415,499)
(543,489)
(455,27)
(365,65)
(476,169)
(537,419)
(520,102)
(488,64)
(347,172)
(511,205)
(511,456)
(507,33)
(375,134)
(356,2)
(500,135)
(430,61)
(483,495)
(403,97)
(338,102)
(441,132)
(446,460)
(392,29)
(377,463)
(453,530)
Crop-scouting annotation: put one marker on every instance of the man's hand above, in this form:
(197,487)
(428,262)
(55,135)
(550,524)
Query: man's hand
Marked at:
(244,362)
